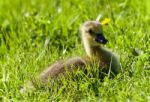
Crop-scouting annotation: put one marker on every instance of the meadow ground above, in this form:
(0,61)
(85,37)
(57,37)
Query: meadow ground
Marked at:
(35,33)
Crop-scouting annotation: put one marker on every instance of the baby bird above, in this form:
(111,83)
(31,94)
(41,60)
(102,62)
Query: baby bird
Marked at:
(93,39)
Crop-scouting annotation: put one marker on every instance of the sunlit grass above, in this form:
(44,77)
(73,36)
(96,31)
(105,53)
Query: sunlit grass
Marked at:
(36,33)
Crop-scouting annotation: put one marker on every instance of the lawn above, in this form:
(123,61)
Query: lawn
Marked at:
(36,33)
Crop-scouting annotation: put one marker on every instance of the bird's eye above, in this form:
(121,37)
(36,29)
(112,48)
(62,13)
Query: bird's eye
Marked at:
(90,31)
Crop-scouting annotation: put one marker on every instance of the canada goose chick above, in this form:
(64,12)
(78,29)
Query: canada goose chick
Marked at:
(93,38)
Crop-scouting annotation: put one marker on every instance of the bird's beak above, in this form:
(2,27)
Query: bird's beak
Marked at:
(101,39)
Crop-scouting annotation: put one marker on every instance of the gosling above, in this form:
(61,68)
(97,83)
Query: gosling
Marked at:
(92,38)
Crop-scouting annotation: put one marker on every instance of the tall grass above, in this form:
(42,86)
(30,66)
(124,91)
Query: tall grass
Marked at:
(35,33)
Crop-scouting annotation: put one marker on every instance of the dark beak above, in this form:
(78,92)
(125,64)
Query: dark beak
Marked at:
(101,39)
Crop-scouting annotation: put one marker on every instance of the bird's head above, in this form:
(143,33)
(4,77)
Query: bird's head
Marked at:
(92,33)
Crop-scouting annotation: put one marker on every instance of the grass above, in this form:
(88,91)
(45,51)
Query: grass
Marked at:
(35,33)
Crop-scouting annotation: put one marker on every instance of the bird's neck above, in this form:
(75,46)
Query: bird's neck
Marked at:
(93,51)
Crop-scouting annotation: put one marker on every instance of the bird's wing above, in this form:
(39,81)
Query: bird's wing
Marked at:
(61,67)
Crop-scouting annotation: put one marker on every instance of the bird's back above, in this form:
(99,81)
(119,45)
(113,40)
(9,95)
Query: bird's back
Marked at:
(61,67)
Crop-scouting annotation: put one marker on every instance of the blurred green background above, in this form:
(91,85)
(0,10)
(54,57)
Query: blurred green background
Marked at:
(35,33)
